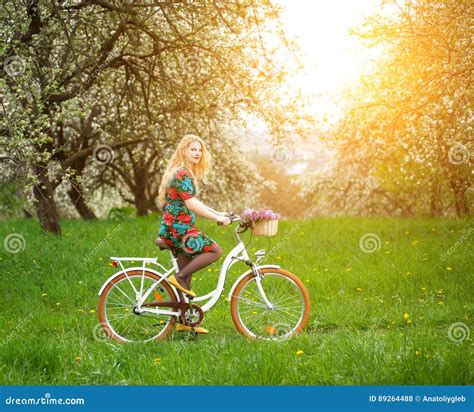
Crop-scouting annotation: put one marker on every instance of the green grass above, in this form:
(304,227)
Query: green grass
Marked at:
(356,334)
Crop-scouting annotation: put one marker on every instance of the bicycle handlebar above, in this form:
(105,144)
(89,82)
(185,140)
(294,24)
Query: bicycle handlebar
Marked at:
(233,218)
(236,218)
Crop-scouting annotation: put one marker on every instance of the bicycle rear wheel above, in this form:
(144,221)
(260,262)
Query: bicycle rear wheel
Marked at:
(118,301)
(287,294)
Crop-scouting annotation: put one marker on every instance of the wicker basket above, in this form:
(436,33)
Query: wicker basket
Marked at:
(265,228)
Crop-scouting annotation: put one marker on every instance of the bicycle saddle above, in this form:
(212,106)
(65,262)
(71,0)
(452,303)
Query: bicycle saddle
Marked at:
(161,243)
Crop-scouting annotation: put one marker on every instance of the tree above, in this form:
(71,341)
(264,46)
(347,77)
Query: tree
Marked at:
(201,63)
(404,144)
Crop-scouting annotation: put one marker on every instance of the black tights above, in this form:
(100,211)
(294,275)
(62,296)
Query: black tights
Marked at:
(188,265)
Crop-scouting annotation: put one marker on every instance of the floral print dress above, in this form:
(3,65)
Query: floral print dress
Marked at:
(177,223)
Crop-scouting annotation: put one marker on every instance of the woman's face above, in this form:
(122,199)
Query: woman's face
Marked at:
(194,152)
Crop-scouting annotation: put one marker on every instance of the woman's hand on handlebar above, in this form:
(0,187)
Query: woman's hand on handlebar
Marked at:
(223,219)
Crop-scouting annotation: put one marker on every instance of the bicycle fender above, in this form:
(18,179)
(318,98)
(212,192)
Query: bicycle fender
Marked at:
(127,270)
(245,274)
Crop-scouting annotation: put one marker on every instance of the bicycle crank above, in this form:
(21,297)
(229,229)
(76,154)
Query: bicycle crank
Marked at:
(193,315)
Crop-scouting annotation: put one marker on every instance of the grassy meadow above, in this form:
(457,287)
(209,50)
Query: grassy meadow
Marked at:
(399,315)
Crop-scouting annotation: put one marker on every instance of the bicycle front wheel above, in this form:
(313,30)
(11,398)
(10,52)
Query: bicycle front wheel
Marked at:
(117,315)
(289,310)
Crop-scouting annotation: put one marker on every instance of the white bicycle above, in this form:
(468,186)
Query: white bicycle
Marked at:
(137,304)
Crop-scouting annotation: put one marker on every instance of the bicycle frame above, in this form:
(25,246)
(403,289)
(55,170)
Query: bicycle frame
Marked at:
(238,253)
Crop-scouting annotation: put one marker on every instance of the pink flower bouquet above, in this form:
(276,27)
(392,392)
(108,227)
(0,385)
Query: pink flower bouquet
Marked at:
(259,214)
(264,221)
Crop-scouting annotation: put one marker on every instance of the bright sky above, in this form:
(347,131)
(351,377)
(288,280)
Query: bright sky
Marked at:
(331,56)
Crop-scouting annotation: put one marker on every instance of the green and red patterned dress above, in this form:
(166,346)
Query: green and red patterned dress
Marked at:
(177,223)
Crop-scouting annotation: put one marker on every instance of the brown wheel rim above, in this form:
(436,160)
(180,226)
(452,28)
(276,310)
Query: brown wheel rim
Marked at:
(109,324)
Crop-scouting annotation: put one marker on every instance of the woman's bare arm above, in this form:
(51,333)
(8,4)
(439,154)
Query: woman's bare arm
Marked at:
(201,209)
(214,211)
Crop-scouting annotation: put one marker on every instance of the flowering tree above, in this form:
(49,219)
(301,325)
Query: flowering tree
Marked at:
(405,143)
(78,76)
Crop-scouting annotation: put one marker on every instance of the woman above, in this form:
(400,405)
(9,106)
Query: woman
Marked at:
(193,249)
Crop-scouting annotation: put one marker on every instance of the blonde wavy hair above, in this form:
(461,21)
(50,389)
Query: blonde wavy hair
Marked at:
(180,158)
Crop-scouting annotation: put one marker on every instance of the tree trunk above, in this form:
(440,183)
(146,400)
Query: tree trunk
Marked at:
(45,204)
(460,201)
(435,206)
(26,214)
(77,199)
(141,203)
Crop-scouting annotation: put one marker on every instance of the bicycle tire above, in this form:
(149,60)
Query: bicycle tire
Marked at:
(108,328)
(268,333)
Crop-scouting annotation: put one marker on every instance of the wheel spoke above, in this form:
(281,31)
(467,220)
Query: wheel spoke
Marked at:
(282,292)
(120,317)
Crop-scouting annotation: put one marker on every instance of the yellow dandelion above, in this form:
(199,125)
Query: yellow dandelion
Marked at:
(301,233)
(58,303)
(387,252)
(81,310)
(227,299)
(423,288)
(408,273)
(299,353)
(308,281)
(427,356)
(441,303)
(348,269)
(101,258)
(254,312)
(418,353)
(387,242)
(409,321)
(448,268)
(44,294)
(157,361)
(359,289)
(92,311)
(278,257)
(433,229)
(80,282)
(209,270)
(77,358)
(406,316)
